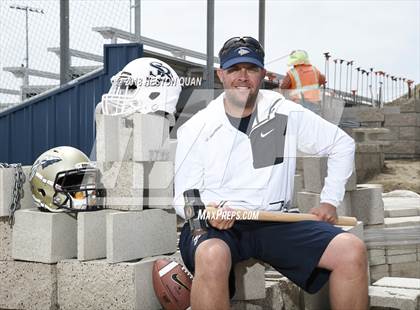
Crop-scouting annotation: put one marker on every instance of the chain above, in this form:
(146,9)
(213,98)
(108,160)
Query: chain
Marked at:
(17,191)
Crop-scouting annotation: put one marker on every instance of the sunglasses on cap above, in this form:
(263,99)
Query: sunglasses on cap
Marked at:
(236,42)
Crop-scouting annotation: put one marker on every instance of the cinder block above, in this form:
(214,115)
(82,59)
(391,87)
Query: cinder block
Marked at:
(124,184)
(367,204)
(409,133)
(371,124)
(114,138)
(5,239)
(405,270)
(411,105)
(315,172)
(368,147)
(390,297)
(378,272)
(403,258)
(393,134)
(7,182)
(306,201)
(158,184)
(402,221)
(400,250)
(138,137)
(91,235)
(100,285)
(356,230)
(391,110)
(376,257)
(150,138)
(398,282)
(250,282)
(135,235)
(273,299)
(400,212)
(369,135)
(28,286)
(400,120)
(400,147)
(44,237)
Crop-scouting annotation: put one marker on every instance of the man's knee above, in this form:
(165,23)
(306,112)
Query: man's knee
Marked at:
(213,257)
(354,251)
(345,251)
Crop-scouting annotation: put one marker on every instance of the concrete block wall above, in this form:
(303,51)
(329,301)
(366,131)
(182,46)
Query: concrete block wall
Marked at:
(403,122)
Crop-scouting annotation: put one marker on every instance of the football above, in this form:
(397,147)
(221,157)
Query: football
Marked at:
(172,284)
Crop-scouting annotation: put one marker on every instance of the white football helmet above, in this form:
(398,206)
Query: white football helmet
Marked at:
(144,85)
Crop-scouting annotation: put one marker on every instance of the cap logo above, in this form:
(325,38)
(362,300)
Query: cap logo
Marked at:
(243,51)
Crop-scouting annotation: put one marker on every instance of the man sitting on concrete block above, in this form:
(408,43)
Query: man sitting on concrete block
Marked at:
(240,152)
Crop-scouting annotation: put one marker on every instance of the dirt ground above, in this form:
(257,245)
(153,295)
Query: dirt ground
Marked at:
(399,174)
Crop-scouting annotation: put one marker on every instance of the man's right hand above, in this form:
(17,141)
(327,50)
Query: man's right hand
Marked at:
(221,224)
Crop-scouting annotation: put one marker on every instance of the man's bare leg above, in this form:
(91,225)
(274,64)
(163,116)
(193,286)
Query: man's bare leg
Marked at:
(346,257)
(210,288)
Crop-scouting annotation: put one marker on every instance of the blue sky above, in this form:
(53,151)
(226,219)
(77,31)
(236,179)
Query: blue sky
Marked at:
(384,35)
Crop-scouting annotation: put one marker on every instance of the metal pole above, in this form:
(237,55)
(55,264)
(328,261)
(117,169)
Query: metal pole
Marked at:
(392,88)
(261,22)
(27,9)
(371,87)
(65,74)
(327,67)
(335,73)
(137,18)
(339,79)
(361,89)
(210,44)
(357,80)
(347,76)
(130,17)
(351,74)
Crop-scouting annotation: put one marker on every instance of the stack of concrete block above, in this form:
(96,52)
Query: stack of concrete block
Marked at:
(314,174)
(134,154)
(392,257)
(24,285)
(404,123)
(369,151)
(395,293)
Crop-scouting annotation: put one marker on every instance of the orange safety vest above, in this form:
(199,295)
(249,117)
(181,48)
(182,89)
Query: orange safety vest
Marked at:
(305,83)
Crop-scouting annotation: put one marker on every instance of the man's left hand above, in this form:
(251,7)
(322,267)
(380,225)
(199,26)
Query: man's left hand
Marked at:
(325,212)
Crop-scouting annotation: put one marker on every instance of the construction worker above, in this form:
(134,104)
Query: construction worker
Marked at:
(303,81)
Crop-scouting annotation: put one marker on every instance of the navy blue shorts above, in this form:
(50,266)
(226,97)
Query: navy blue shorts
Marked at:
(293,249)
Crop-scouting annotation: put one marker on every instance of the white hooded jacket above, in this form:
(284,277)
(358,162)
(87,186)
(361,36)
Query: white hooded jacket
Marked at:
(256,171)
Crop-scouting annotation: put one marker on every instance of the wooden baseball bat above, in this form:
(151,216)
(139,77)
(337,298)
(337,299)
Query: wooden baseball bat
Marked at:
(273,216)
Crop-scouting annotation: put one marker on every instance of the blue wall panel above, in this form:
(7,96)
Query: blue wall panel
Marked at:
(64,116)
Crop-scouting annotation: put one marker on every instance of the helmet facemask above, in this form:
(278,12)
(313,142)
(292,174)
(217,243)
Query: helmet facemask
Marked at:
(77,190)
